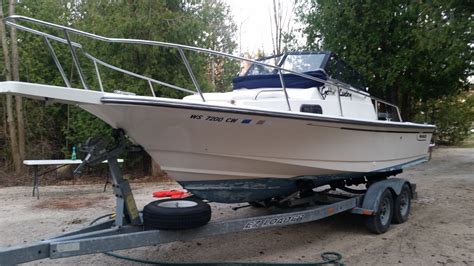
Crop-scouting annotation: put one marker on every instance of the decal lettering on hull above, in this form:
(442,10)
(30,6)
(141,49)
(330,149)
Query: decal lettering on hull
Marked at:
(287,219)
(421,137)
(227,120)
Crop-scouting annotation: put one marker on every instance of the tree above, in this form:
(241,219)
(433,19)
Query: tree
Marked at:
(218,35)
(9,99)
(282,32)
(16,77)
(277,21)
(453,116)
(409,51)
(197,23)
(46,126)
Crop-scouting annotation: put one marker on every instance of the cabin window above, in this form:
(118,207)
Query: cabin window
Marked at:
(311,108)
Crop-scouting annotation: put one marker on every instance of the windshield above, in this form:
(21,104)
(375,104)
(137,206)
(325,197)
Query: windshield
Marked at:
(263,70)
(339,70)
(303,62)
(296,62)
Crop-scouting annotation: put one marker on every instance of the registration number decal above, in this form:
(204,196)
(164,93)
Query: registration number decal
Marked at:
(214,118)
(229,120)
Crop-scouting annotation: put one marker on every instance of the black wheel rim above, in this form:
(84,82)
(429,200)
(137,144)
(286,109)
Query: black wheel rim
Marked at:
(404,203)
(385,210)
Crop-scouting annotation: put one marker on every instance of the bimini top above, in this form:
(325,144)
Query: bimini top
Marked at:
(321,65)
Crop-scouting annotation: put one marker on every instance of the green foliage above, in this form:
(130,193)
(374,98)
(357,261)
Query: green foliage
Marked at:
(408,50)
(44,123)
(453,116)
(469,142)
(202,23)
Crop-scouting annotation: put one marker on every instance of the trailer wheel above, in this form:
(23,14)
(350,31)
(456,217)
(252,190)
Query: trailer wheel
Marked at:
(174,214)
(380,222)
(402,205)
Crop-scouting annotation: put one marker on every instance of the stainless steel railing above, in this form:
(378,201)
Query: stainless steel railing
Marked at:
(12,21)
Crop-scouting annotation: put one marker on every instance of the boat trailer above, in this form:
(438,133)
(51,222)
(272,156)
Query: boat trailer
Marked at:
(127,230)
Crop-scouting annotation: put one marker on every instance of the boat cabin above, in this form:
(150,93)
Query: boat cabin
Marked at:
(319,83)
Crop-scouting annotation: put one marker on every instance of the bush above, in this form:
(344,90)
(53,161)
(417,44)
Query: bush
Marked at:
(452,115)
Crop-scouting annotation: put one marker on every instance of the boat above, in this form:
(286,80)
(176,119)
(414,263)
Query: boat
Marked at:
(293,122)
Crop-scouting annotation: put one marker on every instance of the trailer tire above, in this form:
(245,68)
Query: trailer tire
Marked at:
(380,222)
(402,205)
(175,214)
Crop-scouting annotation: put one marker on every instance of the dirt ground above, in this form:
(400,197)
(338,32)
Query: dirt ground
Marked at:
(440,229)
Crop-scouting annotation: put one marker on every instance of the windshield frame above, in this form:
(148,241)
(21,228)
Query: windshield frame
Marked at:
(283,58)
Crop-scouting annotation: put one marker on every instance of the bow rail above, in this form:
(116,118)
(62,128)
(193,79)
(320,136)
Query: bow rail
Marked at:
(74,46)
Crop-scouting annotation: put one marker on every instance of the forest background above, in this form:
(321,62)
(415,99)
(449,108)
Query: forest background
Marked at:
(416,54)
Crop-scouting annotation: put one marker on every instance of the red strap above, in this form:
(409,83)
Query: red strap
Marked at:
(174,194)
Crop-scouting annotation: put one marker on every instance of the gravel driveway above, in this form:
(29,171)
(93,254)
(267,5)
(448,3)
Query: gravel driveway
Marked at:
(440,229)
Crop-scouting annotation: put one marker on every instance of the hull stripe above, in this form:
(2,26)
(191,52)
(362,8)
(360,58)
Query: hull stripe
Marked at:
(386,131)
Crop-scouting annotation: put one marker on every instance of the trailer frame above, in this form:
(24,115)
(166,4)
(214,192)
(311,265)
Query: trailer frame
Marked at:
(127,231)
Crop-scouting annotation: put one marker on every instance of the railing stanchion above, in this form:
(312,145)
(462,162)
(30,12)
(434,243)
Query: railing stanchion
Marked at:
(56,61)
(284,89)
(76,61)
(151,88)
(338,91)
(98,75)
(190,71)
(399,115)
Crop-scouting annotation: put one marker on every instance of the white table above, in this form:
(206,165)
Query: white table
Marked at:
(61,163)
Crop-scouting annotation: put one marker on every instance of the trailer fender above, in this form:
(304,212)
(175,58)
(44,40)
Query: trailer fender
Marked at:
(372,197)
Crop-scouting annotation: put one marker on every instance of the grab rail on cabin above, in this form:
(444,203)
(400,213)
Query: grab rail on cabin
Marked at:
(11,21)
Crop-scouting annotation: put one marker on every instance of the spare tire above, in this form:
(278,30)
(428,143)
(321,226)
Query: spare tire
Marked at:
(174,214)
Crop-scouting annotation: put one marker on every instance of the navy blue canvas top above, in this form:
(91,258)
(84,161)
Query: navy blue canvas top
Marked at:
(273,81)
(322,65)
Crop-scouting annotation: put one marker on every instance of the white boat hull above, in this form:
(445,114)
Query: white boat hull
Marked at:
(191,143)
(252,153)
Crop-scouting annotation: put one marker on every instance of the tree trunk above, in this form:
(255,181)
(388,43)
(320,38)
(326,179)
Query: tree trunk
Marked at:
(16,77)
(9,102)
(4,136)
(12,131)
(277,28)
(3,37)
(407,107)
